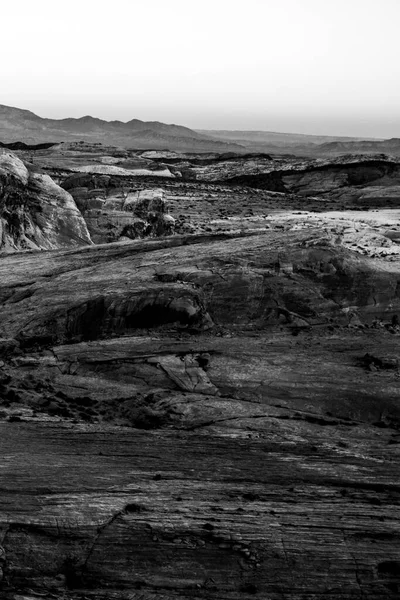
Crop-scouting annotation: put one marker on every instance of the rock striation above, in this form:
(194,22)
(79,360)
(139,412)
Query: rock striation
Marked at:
(251,281)
(169,426)
(114,210)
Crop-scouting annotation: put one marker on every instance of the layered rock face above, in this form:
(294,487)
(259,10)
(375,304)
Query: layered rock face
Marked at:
(170,429)
(253,281)
(113,210)
(349,181)
(362,183)
(35,213)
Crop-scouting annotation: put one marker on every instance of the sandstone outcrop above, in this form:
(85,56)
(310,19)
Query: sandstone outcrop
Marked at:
(113,210)
(169,427)
(342,182)
(349,181)
(35,213)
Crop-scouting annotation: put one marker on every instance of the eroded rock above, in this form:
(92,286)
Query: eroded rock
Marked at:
(35,213)
(113,212)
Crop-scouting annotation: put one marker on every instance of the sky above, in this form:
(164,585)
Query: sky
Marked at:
(303,66)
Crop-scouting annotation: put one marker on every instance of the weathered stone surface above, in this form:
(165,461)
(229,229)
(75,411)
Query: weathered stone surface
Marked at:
(211,456)
(246,281)
(113,211)
(204,416)
(213,512)
(35,213)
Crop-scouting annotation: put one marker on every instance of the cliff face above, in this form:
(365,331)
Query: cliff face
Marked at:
(35,213)
(114,211)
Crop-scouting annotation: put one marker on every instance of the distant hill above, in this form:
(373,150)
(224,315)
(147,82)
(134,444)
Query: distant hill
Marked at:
(391,146)
(296,143)
(18,125)
(277,137)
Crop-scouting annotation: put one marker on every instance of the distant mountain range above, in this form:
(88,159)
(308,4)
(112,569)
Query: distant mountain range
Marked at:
(18,125)
(297,143)
(275,137)
(391,146)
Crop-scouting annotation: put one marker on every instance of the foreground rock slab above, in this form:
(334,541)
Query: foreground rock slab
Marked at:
(285,512)
(208,416)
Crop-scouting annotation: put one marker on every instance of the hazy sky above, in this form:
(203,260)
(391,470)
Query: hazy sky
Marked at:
(308,66)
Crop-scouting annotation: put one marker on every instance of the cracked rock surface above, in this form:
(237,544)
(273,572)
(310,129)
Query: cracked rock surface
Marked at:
(209,416)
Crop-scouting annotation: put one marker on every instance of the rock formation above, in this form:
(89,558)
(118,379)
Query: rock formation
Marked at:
(113,210)
(215,457)
(35,213)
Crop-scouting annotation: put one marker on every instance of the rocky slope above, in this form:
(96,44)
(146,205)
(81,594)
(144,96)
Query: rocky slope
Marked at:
(200,417)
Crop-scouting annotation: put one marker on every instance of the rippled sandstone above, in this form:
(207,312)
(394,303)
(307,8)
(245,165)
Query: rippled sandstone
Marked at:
(211,415)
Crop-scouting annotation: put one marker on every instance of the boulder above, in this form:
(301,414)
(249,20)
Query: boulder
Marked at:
(35,213)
